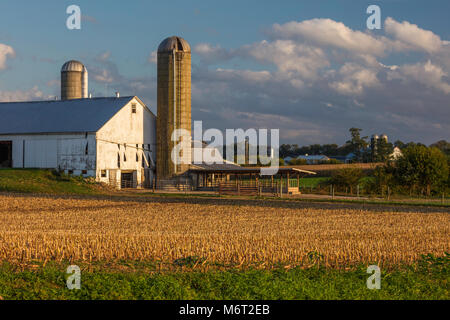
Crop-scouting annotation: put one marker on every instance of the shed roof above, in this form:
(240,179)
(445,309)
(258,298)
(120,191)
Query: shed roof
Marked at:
(235,169)
(59,116)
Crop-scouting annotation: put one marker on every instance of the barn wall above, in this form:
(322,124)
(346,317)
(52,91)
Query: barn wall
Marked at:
(54,151)
(123,137)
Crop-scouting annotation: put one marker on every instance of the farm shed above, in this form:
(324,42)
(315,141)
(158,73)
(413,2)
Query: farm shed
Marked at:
(212,176)
(112,139)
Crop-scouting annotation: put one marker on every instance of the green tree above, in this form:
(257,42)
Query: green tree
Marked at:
(422,169)
(383,151)
(347,178)
(442,145)
(383,178)
(358,144)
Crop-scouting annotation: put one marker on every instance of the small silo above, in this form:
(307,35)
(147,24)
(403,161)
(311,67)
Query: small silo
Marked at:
(74,80)
(374,145)
(174,104)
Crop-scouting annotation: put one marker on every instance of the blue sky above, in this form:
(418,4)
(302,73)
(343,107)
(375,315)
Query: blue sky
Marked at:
(341,87)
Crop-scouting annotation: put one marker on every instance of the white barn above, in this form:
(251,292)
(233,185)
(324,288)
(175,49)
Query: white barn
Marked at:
(111,139)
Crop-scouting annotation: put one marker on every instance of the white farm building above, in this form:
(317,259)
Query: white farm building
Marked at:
(112,139)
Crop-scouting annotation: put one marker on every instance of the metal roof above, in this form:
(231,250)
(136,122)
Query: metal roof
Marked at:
(229,168)
(174,43)
(313,157)
(73,65)
(78,115)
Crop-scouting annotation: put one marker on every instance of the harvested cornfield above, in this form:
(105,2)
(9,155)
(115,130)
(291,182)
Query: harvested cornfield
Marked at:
(242,233)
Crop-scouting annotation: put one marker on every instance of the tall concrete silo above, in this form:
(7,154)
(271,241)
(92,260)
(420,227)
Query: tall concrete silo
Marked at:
(174,105)
(74,80)
(374,145)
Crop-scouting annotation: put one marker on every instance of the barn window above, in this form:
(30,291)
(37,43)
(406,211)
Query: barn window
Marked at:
(133,108)
(70,172)
(103,173)
(83,171)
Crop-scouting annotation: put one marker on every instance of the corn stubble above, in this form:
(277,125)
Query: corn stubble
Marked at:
(47,229)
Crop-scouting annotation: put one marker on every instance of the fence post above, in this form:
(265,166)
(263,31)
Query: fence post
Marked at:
(281,188)
(442,197)
(357,191)
(239,189)
(332,190)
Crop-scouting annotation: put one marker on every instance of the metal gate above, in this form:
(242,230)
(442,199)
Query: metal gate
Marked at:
(126,180)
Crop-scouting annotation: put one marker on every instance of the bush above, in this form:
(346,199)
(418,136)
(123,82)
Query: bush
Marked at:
(347,178)
(297,162)
(422,170)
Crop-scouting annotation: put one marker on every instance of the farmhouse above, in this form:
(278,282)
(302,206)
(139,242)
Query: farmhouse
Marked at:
(111,139)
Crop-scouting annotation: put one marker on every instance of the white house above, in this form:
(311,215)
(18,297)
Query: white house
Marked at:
(112,139)
(396,154)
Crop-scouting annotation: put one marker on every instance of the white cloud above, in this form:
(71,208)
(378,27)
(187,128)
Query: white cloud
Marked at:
(428,74)
(5,53)
(330,33)
(412,36)
(248,75)
(153,57)
(104,56)
(103,76)
(211,53)
(355,79)
(289,57)
(19,95)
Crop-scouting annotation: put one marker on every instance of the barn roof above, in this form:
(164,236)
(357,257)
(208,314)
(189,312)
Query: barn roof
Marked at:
(59,116)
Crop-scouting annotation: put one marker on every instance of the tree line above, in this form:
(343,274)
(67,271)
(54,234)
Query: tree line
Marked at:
(362,148)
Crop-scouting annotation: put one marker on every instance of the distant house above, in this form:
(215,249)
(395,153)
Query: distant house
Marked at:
(397,153)
(310,159)
(349,157)
(314,159)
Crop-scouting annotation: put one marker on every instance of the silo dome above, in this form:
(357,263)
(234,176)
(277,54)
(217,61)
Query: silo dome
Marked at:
(73,65)
(174,43)
(74,80)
